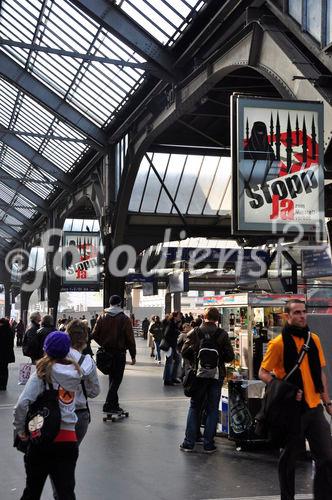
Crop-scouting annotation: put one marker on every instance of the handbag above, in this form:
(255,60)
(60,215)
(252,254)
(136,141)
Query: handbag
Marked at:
(279,415)
(164,345)
(24,373)
(103,361)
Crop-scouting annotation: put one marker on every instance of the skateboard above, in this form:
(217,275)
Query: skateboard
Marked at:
(115,416)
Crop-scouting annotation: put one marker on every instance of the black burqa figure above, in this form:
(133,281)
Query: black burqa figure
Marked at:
(259,148)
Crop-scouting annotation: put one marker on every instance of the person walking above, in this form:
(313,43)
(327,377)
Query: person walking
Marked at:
(89,387)
(145,328)
(156,331)
(311,380)
(58,458)
(114,332)
(173,359)
(19,333)
(6,351)
(209,380)
(38,338)
(35,319)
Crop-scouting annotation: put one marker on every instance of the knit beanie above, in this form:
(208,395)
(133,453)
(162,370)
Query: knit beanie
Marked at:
(57,344)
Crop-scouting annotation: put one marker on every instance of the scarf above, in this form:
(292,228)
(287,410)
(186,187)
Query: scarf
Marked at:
(291,355)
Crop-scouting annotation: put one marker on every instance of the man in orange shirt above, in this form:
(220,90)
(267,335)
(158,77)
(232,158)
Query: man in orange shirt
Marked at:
(280,358)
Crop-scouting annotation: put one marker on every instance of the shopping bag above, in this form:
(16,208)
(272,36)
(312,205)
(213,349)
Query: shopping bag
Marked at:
(24,373)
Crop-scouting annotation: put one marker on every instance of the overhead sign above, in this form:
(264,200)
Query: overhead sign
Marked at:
(316,263)
(80,260)
(277,155)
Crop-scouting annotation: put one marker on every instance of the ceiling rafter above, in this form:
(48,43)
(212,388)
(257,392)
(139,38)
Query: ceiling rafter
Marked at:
(123,27)
(9,230)
(10,210)
(16,185)
(27,83)
(36,158)
(74,54)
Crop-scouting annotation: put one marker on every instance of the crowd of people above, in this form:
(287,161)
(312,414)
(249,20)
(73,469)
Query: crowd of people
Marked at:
(63,365)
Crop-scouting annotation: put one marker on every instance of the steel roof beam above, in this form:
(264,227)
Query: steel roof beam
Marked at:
(27,83)
(10,210)
(112,18)
(36,158)
(9,230)
(45,136)
(74,55)
(14,184)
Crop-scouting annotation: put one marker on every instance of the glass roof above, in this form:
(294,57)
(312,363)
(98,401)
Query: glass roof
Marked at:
(199,185)
(55,56)
(163,19)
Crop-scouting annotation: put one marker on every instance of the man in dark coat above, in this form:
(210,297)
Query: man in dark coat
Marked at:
(114,332)
(35,319)
(6,351)
(208,387)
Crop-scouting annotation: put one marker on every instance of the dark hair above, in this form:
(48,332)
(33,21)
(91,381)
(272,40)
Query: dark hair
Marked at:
(173,315)
(78,333)
(292,301)
(211,314)
(47,320)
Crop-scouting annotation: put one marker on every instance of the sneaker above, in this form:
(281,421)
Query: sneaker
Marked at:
(210,449)
(108,409)
(168,383)
(186,448)
(176,381)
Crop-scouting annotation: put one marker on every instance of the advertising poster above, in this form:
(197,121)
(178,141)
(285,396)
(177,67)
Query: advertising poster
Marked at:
(277,152)
(81,269)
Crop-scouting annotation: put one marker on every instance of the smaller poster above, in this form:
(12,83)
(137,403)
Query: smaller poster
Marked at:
(81,261)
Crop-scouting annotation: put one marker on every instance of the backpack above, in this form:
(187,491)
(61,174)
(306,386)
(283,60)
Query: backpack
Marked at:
(208,355)
(30,346)
(42,422)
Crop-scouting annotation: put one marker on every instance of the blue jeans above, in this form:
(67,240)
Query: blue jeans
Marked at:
(206,398)
(172,366)
(157,346)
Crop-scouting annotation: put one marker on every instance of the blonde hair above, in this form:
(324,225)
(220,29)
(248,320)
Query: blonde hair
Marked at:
(44,367)
(78,333)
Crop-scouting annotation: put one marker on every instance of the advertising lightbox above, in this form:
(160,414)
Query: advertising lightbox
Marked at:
(80,261)
(277,157)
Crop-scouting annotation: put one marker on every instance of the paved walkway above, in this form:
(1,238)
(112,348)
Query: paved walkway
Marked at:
(139,458)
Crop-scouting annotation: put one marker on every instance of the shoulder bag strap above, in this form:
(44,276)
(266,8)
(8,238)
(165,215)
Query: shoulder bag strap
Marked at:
(80,361)
(303,352)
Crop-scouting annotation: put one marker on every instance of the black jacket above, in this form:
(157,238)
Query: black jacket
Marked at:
(191,346)
(171,334)
(6,345)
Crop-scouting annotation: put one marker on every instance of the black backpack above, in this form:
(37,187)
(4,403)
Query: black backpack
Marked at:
(208,355)
(30,345)
(42,423)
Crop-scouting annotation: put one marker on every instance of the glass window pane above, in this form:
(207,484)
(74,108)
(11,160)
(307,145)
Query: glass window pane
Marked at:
(295,9)
(329,21)
(314,18)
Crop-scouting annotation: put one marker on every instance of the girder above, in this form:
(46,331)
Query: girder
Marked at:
(27,83)
(73,54)
(9,230)
(13,183)
(36,158)
(123,27)
(6,207)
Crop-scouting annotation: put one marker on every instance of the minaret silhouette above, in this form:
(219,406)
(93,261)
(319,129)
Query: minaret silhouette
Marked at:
(278,138)
(313,139)
(297,130)
(271,130)
(304,142)
(289,144)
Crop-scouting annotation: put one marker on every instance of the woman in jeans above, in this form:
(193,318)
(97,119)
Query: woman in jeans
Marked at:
(173,359)
(156,330)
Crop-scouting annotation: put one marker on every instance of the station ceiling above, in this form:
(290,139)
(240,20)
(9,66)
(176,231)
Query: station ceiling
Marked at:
(68,71)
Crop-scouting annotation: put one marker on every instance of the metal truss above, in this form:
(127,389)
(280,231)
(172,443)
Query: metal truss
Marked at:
(117,22)
(13,183)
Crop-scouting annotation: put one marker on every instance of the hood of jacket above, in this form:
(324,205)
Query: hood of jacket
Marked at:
(87,365)
(114,310)
(67,376)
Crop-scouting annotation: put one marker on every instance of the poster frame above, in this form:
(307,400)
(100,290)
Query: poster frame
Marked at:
(238,224)
(88,285)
